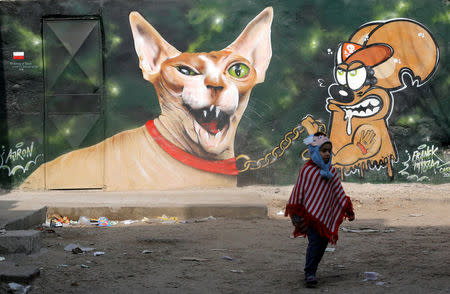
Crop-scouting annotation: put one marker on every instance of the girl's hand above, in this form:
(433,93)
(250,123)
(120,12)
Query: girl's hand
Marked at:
(351,216)
(299,223)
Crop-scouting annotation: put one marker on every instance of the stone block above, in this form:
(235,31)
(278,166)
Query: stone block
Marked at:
(17,273)
(21,241)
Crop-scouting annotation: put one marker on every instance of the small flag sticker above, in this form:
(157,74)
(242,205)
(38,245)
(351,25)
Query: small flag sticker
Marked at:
(18,55)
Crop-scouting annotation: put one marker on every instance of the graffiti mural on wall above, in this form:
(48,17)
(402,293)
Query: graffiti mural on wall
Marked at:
(205,131)
(423,162)
(19,158)
(379,59)
(202,98)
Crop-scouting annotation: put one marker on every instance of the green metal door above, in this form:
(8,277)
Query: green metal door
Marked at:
(73,82)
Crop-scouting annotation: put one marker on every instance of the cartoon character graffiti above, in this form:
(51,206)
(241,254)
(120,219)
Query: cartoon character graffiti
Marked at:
(191,144)
(372,65)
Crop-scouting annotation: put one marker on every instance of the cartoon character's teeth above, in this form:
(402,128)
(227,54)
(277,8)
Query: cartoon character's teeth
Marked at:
(376,109)
(365,103)
(217,111)
(204,113)
(211,108)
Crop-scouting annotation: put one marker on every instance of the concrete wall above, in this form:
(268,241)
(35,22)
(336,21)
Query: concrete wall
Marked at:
(373,75)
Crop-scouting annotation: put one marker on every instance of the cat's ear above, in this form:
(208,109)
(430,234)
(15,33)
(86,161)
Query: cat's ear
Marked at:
(151,48)
(254,43)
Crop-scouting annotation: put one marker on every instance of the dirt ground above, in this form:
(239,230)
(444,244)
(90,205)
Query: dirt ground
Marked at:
(401,232)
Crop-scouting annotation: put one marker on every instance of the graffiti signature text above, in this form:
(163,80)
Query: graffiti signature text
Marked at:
(422,161)
(18,158)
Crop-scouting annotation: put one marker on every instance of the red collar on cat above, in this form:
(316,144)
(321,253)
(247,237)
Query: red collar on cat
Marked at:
(226,167)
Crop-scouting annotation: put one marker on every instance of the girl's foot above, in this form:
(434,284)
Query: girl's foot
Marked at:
(310,281)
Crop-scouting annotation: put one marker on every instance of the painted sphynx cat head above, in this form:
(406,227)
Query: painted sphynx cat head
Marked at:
(204,95)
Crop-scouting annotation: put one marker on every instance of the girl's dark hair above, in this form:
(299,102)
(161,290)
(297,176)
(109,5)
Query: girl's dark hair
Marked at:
(319,134)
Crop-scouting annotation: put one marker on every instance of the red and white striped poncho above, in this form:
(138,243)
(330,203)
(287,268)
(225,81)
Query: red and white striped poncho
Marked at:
(321,203)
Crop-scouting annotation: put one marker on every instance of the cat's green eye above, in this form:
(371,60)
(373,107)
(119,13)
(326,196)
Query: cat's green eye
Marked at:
(239,70)
(186,70)
(353,73)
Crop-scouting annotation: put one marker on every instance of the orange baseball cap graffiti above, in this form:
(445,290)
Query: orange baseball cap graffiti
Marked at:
(371,55)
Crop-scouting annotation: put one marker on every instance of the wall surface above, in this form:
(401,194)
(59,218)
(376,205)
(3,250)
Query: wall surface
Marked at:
(92,96)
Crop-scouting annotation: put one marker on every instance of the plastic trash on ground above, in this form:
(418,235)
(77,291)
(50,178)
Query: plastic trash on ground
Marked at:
(367,230)
(205,219)
(129,222)
(150,220)
(70,247)
(103,222)
(168,220)
(55,224)
(371,276)
(164,219)
(193,259)
(83,220)
(18,288)
(201,220)
(415,215)
(98,253)
(57,221)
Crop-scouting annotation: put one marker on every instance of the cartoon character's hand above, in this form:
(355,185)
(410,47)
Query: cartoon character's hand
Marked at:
(366,140)
(312,126)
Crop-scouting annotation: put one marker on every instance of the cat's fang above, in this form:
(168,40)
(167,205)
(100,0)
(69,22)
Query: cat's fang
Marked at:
(217,111)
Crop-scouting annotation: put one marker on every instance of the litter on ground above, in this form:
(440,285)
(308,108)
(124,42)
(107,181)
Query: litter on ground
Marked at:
(71,247)
(371,276)
(193,259)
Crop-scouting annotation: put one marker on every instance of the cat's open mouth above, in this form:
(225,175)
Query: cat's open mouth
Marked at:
(210,118)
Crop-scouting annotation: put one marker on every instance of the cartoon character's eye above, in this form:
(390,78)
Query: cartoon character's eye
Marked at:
(341,76)
(356,78)
(186,70)
(239,70)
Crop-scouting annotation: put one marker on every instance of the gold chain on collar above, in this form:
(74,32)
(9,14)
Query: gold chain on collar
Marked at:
(277,151)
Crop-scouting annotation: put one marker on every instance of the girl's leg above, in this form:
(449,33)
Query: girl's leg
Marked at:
(314,253)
